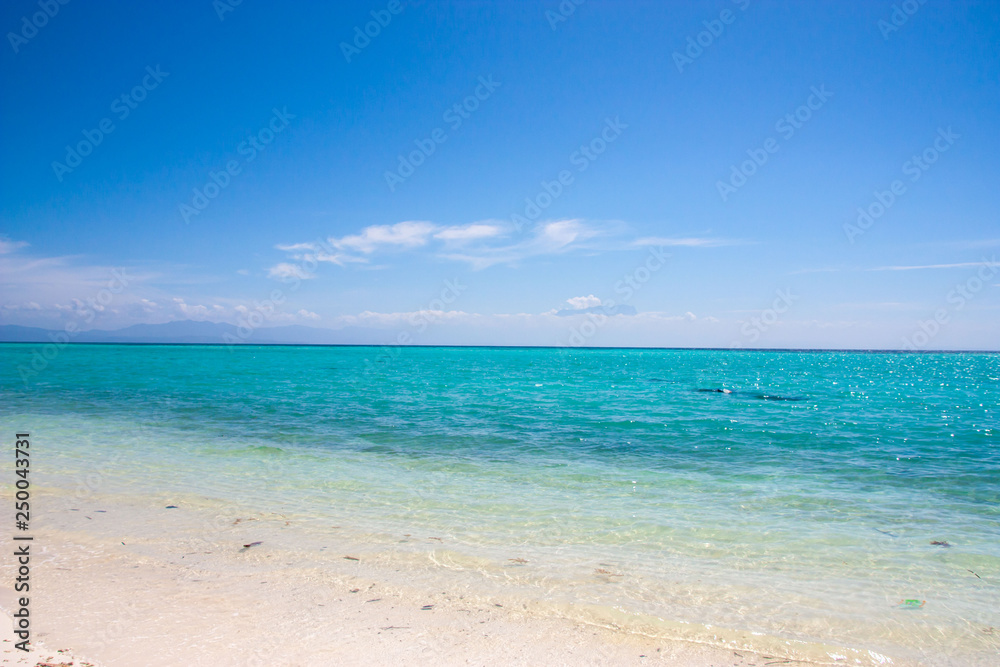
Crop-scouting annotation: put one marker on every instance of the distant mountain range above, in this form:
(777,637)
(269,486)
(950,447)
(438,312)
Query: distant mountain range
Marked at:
(202,333)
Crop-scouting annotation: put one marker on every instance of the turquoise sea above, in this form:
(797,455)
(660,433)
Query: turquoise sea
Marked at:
(793,495)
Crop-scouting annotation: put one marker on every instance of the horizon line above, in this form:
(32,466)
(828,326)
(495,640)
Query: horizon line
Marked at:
(519,347)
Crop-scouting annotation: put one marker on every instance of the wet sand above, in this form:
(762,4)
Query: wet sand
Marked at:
(108,590)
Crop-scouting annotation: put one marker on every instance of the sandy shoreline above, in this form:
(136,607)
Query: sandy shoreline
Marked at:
(38,654)
(350,621)
(119,589)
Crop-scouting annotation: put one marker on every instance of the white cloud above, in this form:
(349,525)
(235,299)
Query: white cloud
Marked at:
(408,234)
(351,249)
(548,238)
(580,302)
(30,306)
(471,232)
(307,315)
(479,244)
(339,258)
(7,246)
(188,311)
(294,247)
(286,270)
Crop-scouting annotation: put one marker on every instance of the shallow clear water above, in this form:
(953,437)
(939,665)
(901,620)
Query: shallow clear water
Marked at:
(802,504)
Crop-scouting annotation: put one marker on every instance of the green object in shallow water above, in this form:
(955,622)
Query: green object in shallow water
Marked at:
(912,604)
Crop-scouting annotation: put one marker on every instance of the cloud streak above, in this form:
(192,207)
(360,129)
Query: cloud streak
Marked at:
(7,246)
(479,244)
(410,234)
(549,238)
(923,267)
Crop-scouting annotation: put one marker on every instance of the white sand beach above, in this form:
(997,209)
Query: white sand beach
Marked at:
(112,589)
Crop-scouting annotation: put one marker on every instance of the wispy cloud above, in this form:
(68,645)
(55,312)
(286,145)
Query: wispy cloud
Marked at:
(471,232)
(53,291)
(479,244)
(922,267)
(296,247)
(549,238)
(410,234)
(284,271)
(43,278)
(973,244)
(913,267)
(353,248)
(7,246)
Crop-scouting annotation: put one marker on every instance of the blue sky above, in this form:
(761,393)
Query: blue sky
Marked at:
(643,109)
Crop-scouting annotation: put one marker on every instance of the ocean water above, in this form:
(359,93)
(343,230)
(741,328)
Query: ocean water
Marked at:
(791,496)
